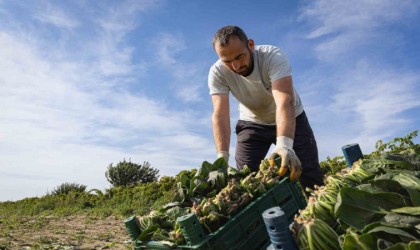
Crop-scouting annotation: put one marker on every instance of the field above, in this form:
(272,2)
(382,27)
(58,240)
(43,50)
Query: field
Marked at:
(63,232)
(76,218)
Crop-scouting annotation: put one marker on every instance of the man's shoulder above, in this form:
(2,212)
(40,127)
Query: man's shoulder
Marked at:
(266,48)
(218,68)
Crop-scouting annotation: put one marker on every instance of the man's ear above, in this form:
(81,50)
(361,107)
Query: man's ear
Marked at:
(251,44)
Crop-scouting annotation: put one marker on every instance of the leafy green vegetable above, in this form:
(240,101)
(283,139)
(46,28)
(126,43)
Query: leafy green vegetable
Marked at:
(411,197)
(204,170)
(353,241)
(413,245)
(148,233)
(392,234)
(358,208)
(220,165)
(407,210)
(402,220)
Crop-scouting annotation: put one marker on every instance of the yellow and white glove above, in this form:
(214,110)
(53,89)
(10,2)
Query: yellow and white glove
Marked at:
(224,154)
(289,160)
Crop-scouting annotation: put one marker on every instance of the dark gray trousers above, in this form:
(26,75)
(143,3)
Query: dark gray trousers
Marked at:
(254,140)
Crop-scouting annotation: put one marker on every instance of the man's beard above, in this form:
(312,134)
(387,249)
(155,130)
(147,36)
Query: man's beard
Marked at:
(248,70)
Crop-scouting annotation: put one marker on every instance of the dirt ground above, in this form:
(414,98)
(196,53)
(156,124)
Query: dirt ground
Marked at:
(71,232)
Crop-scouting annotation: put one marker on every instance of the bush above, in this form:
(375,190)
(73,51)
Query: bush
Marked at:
(127,173)
(332,166)
(398,145)
(66,188)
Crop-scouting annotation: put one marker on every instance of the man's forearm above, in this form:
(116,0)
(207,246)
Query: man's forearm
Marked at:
(221,133)
(283,95)
(285,120)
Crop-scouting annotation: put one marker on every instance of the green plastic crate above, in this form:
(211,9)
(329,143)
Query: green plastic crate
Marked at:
(246,230)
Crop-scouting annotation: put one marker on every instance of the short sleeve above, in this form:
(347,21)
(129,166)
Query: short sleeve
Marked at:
(279,66)
(216,82)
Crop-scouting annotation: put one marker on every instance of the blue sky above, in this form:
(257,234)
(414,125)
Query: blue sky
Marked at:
(87,83)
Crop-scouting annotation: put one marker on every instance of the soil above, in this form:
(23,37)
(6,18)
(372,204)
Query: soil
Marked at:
(70,232)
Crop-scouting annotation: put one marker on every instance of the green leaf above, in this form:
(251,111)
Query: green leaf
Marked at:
(414,196)
(402,220)
(221,180)
(245,170)
(179,196)
(359,208)
(184,179)
(201,188)
(148,233)
(171,205)
(204,170)
(407,210)
(232,172)
(353,241)
(414,245)
(211,194)
(392,234)
(221,165)
(409,181)
(393,157)
(217,180)
(404,246)
(175,212)
(393,186)
(369,188)
(193,183)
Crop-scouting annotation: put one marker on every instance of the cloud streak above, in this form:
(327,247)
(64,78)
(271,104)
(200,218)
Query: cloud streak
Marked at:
(189,79)
(50,14)
(345,25)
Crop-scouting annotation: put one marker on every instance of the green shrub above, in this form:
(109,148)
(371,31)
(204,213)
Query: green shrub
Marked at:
(398,145)
(66,188)
(332,166)
(128,173)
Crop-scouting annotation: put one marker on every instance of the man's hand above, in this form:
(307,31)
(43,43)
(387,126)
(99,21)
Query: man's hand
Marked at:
(289,160)
(223,154)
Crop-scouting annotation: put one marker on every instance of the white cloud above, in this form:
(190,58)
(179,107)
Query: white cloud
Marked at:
(65,119)
(364,105)
(168,46)
(189,79)
(344,25)
(55,16)
(379,98)
(350,95)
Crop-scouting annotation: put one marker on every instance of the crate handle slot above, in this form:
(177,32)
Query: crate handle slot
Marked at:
(253,227)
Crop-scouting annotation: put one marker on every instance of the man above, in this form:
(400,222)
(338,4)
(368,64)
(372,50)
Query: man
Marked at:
(271,111)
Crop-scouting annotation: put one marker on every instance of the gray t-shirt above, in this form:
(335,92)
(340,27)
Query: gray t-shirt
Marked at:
(256,102)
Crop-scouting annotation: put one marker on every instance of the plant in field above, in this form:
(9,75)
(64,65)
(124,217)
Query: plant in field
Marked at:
(375,204)
(127,173)
(398,145)
(66,188)
(332,166)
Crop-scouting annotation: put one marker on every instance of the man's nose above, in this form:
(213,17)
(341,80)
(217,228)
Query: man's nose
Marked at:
(236,64)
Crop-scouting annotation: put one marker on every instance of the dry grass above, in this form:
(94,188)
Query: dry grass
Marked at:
(70,232)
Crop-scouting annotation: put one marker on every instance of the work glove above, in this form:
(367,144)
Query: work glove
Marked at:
(224,154)
(289,160)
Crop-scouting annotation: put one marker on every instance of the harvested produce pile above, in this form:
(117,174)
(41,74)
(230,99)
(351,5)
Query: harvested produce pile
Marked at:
(373,205)
(215,193)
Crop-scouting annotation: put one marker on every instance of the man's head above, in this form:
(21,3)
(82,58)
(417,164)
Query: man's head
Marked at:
(234,49)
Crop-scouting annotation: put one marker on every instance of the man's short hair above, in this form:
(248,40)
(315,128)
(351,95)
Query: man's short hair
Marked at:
(223,35)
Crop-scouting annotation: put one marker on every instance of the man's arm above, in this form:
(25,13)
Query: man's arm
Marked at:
(283,95)
(221,124)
